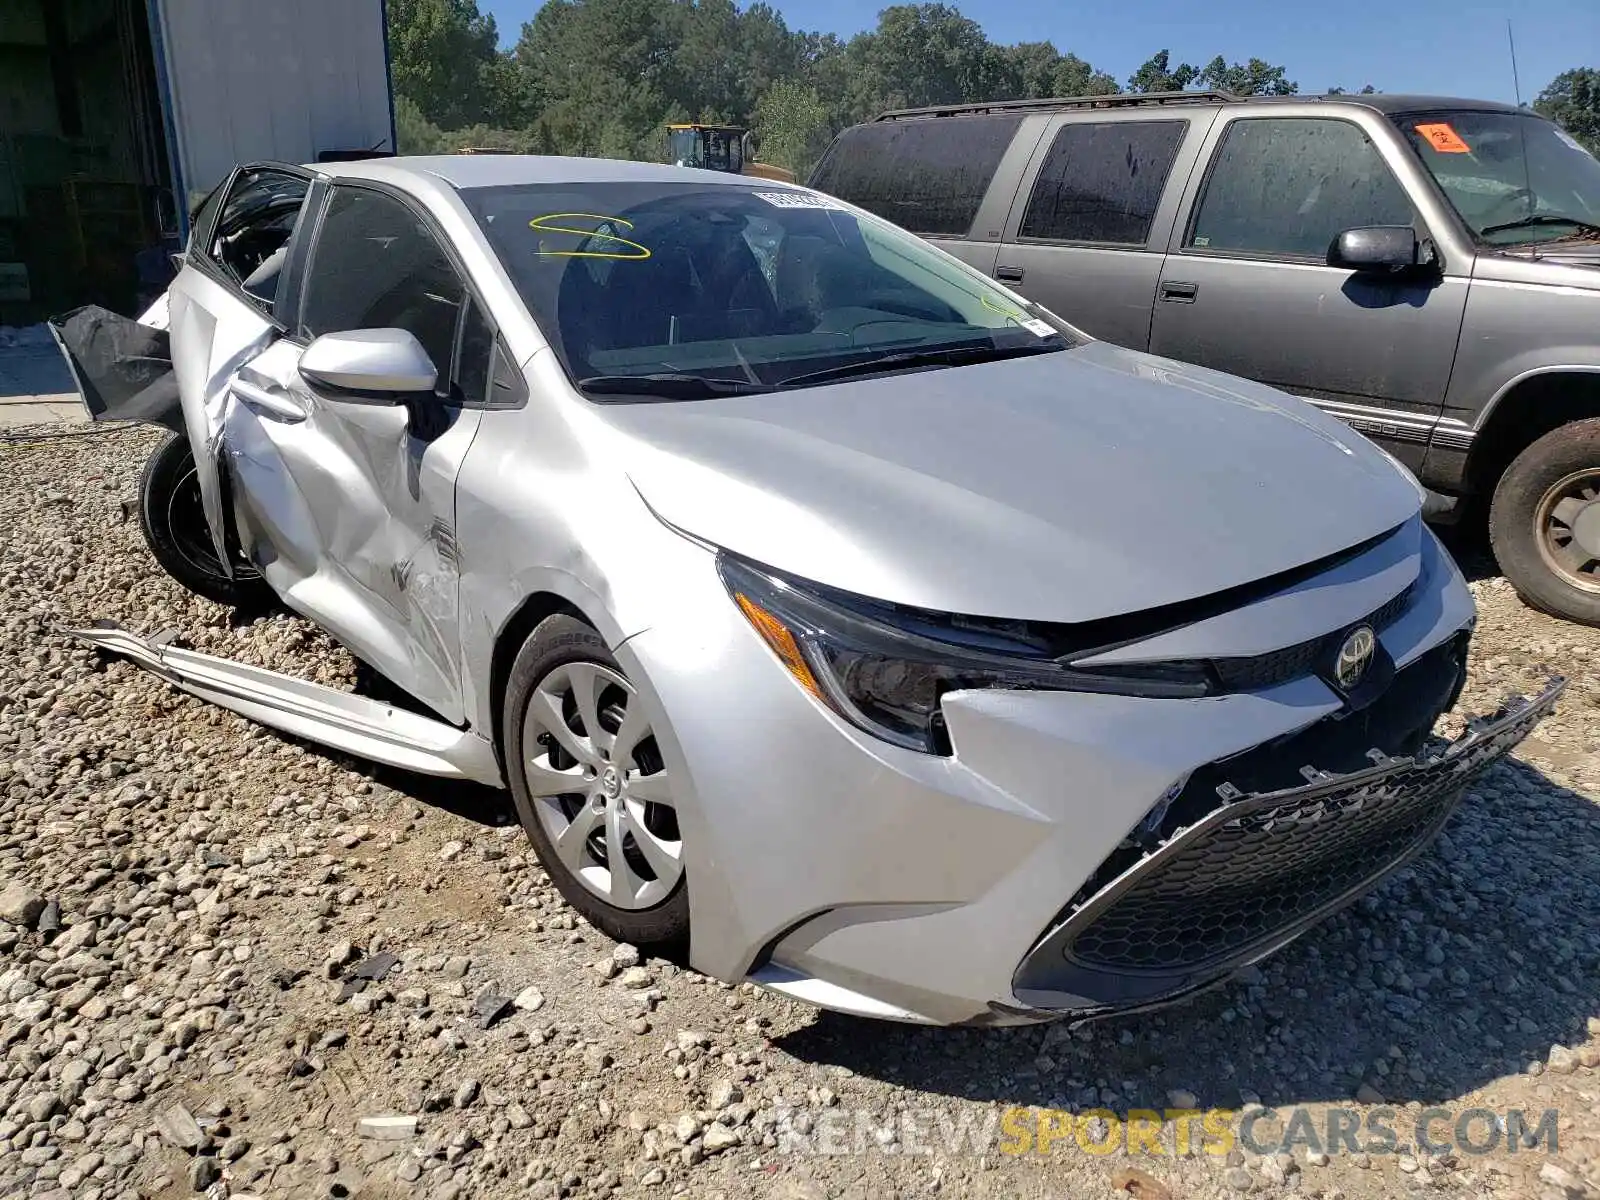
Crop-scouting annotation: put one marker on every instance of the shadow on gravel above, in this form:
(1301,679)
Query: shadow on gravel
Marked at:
(1466,966)
(1468,543)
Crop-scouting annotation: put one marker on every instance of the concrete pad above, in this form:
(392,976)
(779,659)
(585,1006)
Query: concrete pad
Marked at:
(21,412)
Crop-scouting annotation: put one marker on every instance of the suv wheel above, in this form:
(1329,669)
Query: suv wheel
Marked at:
(590,787)
(1545,522)
(173,521)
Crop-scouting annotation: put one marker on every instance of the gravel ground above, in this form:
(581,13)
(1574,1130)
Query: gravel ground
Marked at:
(186,901)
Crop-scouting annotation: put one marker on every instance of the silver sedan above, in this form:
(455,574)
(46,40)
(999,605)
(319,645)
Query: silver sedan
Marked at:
(837,618)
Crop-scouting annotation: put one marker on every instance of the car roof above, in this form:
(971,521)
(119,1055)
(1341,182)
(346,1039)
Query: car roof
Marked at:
(467,171)
(1387,103)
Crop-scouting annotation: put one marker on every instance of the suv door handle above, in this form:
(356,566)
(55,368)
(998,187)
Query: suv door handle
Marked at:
(1010,274)
(1179,293)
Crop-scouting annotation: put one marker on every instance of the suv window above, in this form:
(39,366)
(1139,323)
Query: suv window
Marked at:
(1102,182)
(928,176)
(376,265)
(1288,186)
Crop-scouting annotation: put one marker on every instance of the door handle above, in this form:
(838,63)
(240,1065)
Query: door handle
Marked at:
(1179,293)
(1009,274)
(274,400)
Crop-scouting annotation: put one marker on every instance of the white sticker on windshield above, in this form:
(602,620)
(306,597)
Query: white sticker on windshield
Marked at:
(1039,328)
(800,200)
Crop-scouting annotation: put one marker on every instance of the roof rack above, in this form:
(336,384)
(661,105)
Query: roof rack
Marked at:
(1056,104)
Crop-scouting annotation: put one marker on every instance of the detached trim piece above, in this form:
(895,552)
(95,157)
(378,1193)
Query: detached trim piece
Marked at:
(364,728)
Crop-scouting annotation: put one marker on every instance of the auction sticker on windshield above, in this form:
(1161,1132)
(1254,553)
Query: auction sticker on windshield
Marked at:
(800,200)
(1443,138)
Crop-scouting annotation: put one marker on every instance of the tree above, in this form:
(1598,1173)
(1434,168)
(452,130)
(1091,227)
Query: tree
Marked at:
(1573,101)
(415,133)
(794,126)
(922,54)
(1158,75)
(1253,78)
(445,58)
(605,77)
(1074,77)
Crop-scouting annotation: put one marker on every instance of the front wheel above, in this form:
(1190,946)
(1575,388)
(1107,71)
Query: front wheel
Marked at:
(1544,522)
(591,790)
(173,521)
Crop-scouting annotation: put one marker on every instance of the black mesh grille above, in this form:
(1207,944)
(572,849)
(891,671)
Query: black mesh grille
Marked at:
(1257,865)
(1296,662)
(1258,873)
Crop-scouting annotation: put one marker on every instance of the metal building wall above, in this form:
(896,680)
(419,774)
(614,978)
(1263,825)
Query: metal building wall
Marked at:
(272,79)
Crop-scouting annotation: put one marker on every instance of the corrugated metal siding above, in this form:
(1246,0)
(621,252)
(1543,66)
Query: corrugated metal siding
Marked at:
(278,79)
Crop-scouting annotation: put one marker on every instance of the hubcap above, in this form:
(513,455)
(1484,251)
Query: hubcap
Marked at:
(1567,528)
(599,788)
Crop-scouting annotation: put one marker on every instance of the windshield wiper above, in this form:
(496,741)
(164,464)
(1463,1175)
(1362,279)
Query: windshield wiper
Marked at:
(960,354)
(1537,219)
(670,385)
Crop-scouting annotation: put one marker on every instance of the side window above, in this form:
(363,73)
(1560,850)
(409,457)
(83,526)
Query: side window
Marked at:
(376,265)
(1102,182)
(1288,186)
(926,175)
(475,357)
(247,235)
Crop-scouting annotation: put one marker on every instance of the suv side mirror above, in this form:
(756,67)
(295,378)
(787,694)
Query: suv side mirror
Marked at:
(1380,250)
(379,364)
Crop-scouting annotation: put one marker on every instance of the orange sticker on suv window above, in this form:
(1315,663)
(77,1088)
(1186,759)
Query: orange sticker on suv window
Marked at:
(1444,139)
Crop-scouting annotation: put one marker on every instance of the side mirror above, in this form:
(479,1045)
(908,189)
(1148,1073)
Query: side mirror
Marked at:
(1380,250)
(380,364)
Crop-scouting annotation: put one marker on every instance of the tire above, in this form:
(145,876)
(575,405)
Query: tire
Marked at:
(175,529)
(566,779)
(1544,522)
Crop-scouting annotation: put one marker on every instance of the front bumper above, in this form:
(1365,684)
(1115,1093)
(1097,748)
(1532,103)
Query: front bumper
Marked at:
(849,873)
(1255,872)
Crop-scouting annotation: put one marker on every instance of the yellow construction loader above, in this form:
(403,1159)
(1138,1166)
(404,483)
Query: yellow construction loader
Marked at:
(719,148)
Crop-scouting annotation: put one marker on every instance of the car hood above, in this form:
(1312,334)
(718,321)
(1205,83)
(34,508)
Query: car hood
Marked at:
(1063,487)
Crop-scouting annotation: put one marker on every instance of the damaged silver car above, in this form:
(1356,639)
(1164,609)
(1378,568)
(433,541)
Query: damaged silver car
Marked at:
(836,617)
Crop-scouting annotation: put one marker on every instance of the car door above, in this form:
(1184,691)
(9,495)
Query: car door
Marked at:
(1246,287)
(1089,231)
(214,322)
(346,501)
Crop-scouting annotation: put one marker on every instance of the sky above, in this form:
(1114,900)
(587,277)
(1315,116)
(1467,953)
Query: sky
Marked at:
(1441,47)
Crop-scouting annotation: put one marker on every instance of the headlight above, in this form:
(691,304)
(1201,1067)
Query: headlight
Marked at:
(885,668)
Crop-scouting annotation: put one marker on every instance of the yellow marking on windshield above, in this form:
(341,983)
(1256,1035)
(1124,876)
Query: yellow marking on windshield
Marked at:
(1010,313)
(633,250)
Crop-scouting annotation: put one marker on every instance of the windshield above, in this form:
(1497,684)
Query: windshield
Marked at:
(654,288)
(1514,179)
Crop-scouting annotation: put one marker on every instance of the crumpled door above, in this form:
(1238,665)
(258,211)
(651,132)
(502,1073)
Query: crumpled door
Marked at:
(213,333)
(347,506)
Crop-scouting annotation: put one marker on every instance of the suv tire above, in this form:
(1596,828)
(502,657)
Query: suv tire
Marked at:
(1547,483)
(175,529)
(562,659)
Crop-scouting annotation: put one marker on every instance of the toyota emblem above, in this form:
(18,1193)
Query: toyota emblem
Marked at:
(1355,656)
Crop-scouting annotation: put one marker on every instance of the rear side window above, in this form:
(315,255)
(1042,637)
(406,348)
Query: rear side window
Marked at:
(1287,187)
(1102,182)
(377,265)
(928,176)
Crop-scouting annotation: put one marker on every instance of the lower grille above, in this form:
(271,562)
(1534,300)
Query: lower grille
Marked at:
(1256,870)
